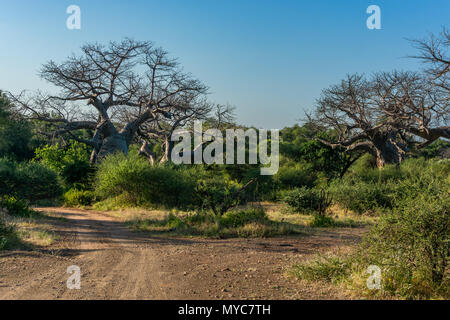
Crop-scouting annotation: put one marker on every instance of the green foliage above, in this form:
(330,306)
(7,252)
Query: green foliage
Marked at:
(264,187)
(70,162)
(300,144)
(37,182)
(15,134)
(218,193)
(361,197)
(366,189)
(291,175)
(31,181)
(435,150)
(15,207)
(322,221)
(76,198)
(8,176)
(139,183)
(302,200)
(411,244)
(238,218)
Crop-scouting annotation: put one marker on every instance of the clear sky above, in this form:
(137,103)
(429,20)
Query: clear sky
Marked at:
(269,58)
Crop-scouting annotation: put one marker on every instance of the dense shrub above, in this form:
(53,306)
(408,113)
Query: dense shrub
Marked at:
(15,207)
(410,243)
(75,197)
(291,175)
(239,218)
(8,176)
(322,221)
(371,189)
(412,246)
(31,181)
(362,197)
(15,133)
(70,162)
(219,194)
(303,200)
(38,182)
(139,183)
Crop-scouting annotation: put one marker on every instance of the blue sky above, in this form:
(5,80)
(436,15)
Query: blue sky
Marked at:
(270,59)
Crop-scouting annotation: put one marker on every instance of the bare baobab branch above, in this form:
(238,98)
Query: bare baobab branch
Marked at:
(131,80)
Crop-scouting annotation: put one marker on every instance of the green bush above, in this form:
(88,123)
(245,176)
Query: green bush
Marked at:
(412,245)
(322,221)
(8,176)
(38,182)
(70,162)
(15,207)
(218,194)
(371,189)
(75,198)
(139,183)
(303,200)
(292,175)
(362,197)
(15,133)
(239,218)
(31,181)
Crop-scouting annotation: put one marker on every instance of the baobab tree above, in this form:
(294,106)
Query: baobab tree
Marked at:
(384,114)
(130,80)
(380,115)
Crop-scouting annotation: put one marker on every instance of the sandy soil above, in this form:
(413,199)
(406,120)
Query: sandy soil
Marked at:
(117,263)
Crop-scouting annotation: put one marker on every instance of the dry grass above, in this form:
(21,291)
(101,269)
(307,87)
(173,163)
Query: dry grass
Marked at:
(32,232)
(281,222)
(343,218)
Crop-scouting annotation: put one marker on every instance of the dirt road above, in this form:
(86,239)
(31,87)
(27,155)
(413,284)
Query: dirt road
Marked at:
(116,263)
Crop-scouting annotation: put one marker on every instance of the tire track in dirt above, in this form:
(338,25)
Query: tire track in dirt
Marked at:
(112,265)
(116,263)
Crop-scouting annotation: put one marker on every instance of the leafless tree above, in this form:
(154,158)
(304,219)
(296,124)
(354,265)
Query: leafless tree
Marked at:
(434,52)
(413,104)
(104,85)
(380,115)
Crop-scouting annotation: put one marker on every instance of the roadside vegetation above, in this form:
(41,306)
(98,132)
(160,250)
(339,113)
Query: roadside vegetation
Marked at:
(409,243)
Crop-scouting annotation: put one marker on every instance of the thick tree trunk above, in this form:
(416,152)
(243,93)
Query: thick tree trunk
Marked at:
(110,141)
(112,144)
(388,150)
